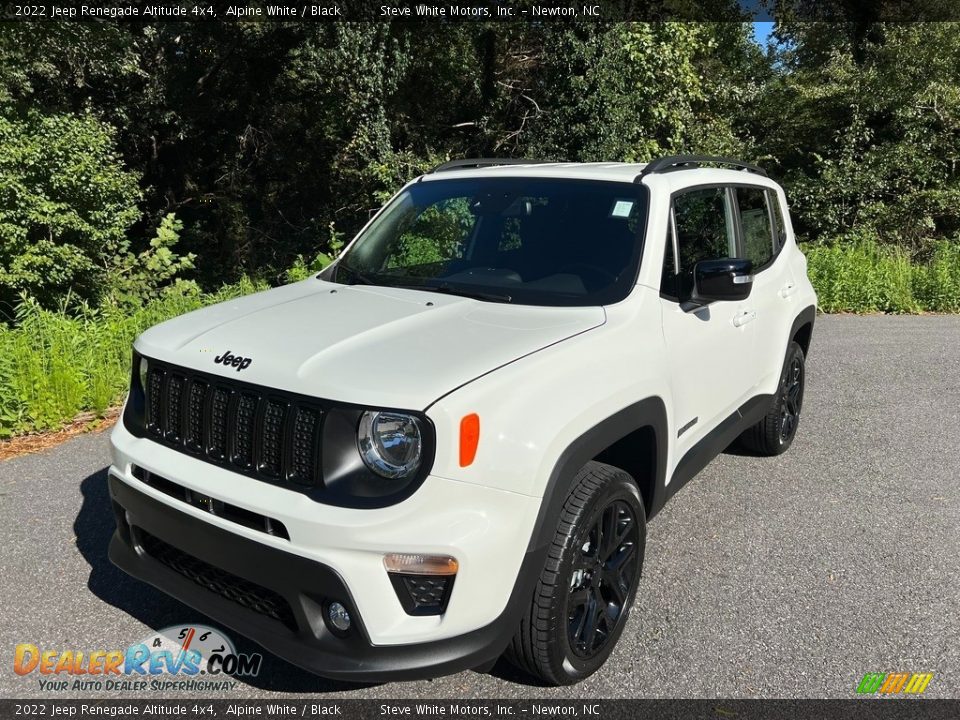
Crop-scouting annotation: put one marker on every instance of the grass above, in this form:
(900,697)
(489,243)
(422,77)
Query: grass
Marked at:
(866,277)
(55,365)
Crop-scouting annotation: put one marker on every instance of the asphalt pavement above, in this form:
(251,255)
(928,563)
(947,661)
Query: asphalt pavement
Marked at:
(788,577)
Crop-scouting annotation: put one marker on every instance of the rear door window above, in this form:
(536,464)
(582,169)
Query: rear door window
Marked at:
(758,244)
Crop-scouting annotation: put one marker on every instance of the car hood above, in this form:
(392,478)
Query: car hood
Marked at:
(379,346)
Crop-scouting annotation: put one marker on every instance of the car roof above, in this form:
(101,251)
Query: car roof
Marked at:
(608,171)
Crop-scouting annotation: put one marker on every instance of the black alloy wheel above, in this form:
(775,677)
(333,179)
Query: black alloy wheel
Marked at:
(601,579)
(791,399)
(589,581)
(775,431)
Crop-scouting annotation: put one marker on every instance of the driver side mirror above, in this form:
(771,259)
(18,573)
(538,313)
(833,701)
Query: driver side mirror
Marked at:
(727,279)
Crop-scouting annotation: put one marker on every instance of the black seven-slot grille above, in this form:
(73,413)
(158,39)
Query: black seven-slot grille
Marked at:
(238,427)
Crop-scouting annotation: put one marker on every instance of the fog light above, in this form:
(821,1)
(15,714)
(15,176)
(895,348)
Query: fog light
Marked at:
(338,616)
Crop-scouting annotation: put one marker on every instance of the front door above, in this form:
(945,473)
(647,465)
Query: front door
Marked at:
(710,347)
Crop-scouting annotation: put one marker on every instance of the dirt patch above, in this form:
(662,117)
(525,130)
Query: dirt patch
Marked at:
(35,442)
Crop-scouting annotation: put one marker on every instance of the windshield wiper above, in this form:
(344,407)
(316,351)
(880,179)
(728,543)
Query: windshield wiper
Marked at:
(357,277)
(448,289)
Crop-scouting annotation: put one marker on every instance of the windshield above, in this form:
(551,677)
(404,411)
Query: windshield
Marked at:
(523,240)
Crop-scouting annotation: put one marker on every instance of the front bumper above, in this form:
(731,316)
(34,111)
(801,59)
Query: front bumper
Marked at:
(149,531)
(330,553)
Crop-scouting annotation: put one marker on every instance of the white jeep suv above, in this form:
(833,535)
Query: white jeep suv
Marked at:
(447,446)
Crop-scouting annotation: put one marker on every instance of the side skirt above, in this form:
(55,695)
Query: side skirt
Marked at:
(716,441)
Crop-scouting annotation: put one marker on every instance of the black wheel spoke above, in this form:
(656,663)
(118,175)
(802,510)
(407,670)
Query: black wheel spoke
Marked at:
(624,553)
(589,632)
(577,625)
(602,575)
(579,597)
(622,535)
(792,406)
(596,544)
(619,594)
(793,392)
(609,531)
(791,398)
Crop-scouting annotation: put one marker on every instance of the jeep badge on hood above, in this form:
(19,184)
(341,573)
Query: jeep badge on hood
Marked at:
(240,363)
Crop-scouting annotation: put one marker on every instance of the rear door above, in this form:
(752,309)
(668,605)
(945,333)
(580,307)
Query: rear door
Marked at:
(710,348)
(761,237)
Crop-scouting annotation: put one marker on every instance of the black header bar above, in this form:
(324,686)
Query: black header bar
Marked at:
(544,11)
(327,707)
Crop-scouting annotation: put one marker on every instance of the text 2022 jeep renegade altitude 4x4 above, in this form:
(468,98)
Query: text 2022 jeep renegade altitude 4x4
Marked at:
(447,445)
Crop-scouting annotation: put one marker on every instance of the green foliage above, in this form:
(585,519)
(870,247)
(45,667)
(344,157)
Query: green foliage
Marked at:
(861,275)
(863,124)
(936,284)
(261,136)
(133,279)
(303,268)
(55,364)
(60,62)
(625,91)
(66,205)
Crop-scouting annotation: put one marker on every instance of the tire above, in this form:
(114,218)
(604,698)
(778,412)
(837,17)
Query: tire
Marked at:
(775,432)
(554,641)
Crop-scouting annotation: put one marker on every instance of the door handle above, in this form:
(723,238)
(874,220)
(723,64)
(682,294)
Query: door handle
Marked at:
(788,290)
(741,319)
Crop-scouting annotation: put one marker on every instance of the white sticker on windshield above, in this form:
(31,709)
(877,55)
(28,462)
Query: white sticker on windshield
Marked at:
(621,208)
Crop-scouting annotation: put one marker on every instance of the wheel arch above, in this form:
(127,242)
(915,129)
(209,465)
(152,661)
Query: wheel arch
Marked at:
(802,329)
(633,440)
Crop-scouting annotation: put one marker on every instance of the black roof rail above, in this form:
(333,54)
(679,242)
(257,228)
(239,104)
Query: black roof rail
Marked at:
(672,163)
(482,162)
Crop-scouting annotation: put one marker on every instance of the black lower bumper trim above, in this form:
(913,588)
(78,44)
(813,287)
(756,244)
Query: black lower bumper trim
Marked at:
(304,586)
(245,593)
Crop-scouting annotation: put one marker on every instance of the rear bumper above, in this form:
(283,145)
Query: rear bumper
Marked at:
(288,593)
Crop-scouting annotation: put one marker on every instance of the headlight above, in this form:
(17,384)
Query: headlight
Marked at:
(135,412)
(142,369)
(390,443)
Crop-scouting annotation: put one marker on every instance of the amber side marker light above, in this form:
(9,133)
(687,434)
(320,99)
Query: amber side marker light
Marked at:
(469,438)
(410,564)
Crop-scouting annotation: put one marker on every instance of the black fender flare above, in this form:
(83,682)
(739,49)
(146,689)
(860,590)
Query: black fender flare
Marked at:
(651,413)
(806,316)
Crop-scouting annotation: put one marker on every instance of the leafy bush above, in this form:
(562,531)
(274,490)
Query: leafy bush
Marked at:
(861,123)
(303,268)
(66,205)
(137,278)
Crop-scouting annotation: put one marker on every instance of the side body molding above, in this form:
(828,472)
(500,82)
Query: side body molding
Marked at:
(720,437)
